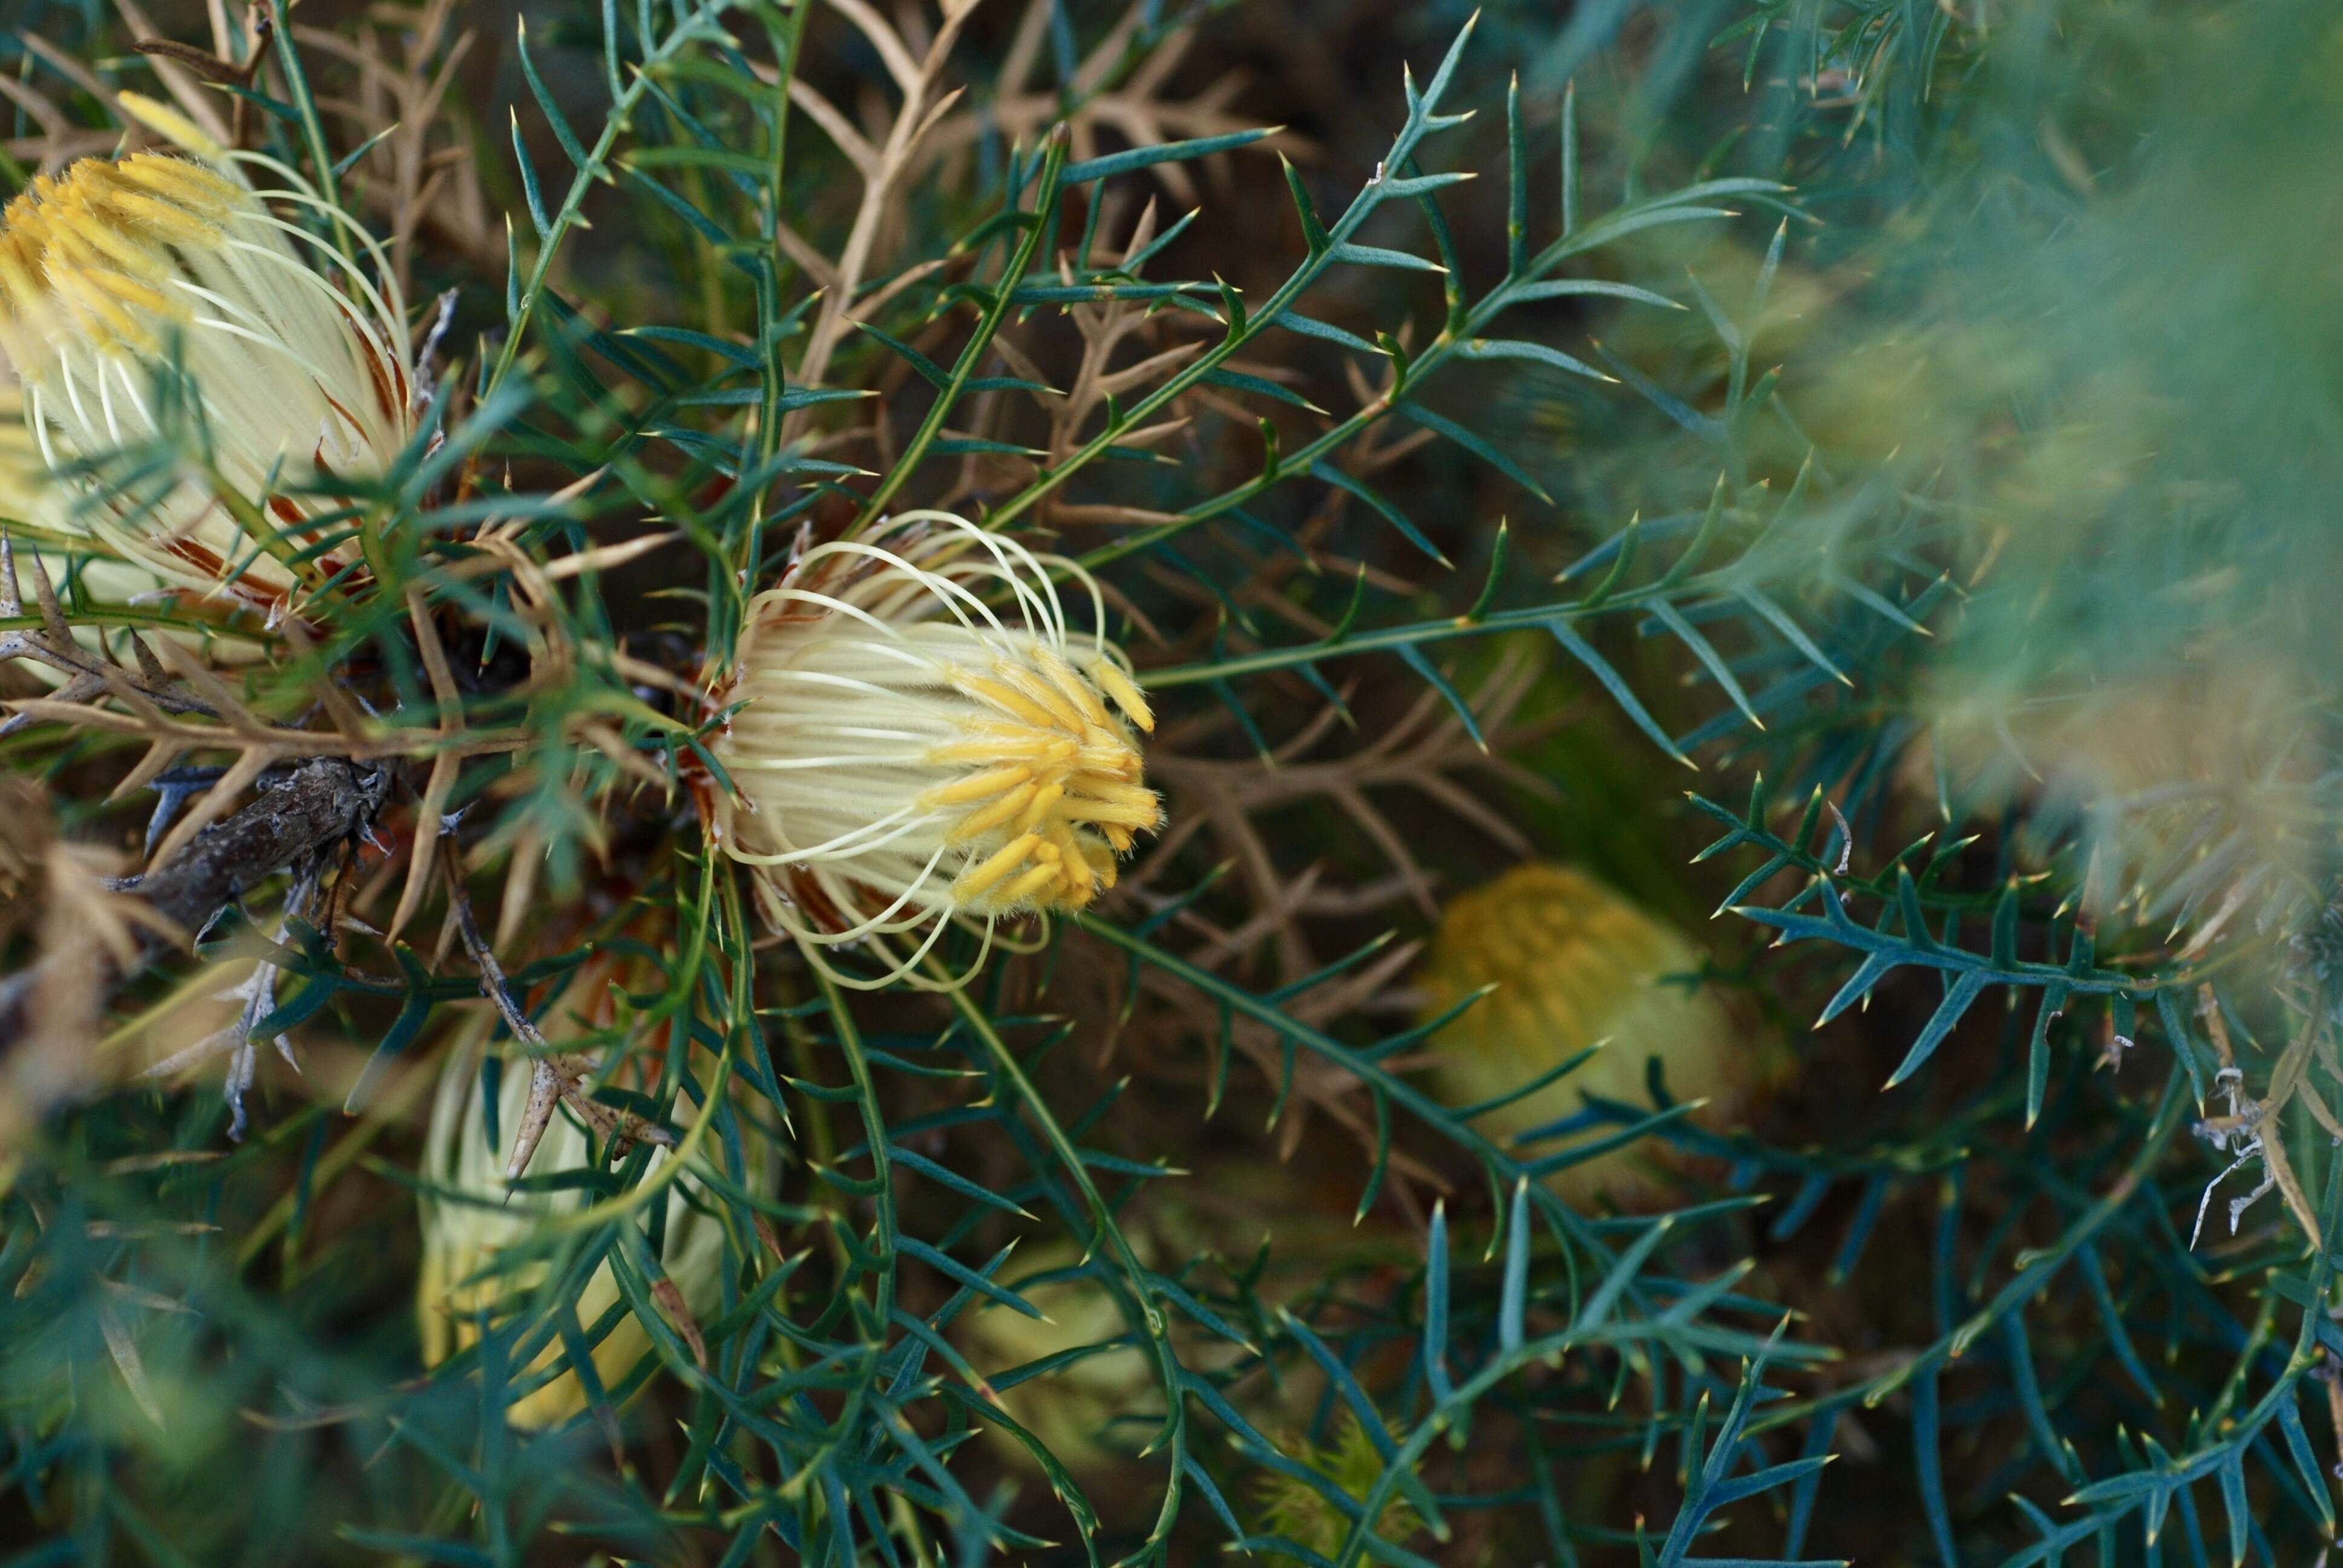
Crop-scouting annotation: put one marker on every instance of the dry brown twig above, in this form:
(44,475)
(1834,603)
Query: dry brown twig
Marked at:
(2251,1128)
(406,61)
(317,788)
(1318,1086)
(1138,109)
(925,128)
(89,676)
(98,933)
(60,141)
(1423,751)
(555,1077)
(882,167)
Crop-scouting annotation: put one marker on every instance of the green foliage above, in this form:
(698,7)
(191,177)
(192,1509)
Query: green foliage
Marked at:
(1916,419)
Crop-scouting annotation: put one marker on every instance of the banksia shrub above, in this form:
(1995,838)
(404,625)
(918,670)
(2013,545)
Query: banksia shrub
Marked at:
(1095,782)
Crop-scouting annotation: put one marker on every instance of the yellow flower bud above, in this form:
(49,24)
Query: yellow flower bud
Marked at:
(1281,1229)
(1072,1410)
(1304,1515)
(1575,964)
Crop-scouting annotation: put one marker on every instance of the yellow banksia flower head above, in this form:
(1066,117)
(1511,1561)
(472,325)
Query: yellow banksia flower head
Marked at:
(920,738)
(130,287)
(1307,1517)
(1072,1410)
(1575,964)
(475,1214)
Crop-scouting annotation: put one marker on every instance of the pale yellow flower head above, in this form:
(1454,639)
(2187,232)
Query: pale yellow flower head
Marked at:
(1575,964)
(463,1234)
(922,738)
(129,286)
(1073,1410)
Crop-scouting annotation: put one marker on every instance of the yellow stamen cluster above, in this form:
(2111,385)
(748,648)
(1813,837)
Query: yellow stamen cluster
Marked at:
(88,251)
(1056,771)
(1304,1514)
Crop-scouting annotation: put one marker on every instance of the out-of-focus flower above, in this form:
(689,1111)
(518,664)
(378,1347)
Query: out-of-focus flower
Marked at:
(1573,964)
(1307,1517)
(1071,1410)
(907,753)
(483,1216)
(160,296)
(1279,1230)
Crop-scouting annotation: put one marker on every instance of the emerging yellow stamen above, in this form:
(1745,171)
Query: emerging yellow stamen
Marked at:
(994,694)
(1032,882)
(1118,686)
(993,816)
(1075,689)
(1069,772)
(978,785)
(976,880)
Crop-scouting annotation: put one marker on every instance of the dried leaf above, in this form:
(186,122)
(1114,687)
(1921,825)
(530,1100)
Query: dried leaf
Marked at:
(210,68)
(125,1351)
(670,1297)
